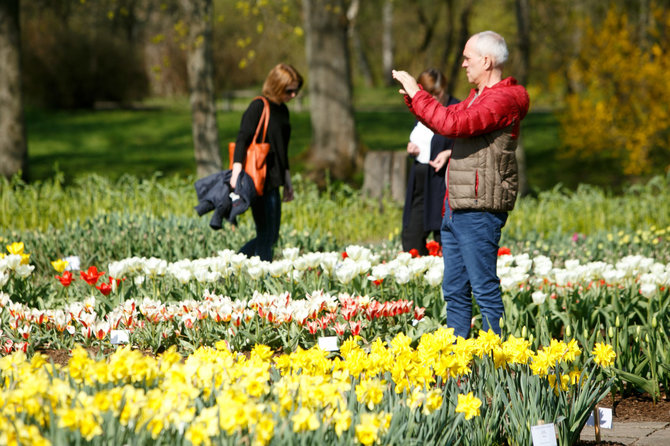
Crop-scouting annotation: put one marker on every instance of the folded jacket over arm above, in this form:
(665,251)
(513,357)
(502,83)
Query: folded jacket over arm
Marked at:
(215,194)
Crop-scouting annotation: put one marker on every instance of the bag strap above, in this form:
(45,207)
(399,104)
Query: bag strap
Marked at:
(264,120)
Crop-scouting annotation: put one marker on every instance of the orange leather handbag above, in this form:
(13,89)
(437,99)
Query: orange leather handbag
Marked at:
(257,152)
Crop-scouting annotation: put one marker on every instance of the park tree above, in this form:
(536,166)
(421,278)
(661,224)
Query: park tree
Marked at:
(13,148)
(619,116)
(362,62)
(198,15)
(334,145)
(388,49)
(522,8)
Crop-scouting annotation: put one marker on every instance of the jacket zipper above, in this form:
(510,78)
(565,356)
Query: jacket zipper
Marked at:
(476,184)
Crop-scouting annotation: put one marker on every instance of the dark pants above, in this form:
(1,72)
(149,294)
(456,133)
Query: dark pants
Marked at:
(414,235)
(266,211)
(470,250)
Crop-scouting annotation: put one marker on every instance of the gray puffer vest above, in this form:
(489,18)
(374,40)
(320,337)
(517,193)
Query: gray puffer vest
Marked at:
(483,173)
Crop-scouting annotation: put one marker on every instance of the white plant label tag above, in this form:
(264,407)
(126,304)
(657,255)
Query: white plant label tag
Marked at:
(118,337)
(543,435)
(328,343)
(605,418)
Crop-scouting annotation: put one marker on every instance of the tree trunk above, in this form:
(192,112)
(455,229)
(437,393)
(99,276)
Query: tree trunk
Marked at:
(387,41)
(354,35)
(334,146)
(13,147)
(198,14)
(462,40)
(428,25)
(450,35)
(523,27)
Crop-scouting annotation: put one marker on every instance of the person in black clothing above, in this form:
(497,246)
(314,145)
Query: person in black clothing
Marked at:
(424,200)
(281,85)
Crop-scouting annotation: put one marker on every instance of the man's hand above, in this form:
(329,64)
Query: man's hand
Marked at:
(440,160)
(409,84)
(413,149)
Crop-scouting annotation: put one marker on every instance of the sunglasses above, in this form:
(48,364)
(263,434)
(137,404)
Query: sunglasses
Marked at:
(291,91)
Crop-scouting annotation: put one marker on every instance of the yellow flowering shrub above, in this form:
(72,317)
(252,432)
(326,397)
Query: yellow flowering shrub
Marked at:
(621,112)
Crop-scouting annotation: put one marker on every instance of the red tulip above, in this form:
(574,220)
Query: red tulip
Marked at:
(92,275)
(104,288)
(434,248)
(419,313)
(66,278)
(312,326)
(504,251)
(340,328)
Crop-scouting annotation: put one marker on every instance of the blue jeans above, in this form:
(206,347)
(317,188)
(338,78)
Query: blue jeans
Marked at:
(266,211)
(470,251)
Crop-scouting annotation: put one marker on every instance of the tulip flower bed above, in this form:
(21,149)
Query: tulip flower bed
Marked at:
(443,391)
(232,350)
(293,301)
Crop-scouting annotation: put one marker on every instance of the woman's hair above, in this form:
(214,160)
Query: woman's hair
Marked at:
(280,77)
(433,81)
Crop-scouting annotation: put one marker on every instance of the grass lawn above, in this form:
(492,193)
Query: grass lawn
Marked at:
(158,138)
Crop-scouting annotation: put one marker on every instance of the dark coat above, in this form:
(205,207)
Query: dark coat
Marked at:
(279,135)
(434,187)
(215,194)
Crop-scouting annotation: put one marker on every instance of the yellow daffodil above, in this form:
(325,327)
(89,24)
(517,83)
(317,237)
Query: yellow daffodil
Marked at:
(305,420)
(262,352)
(540,363)
(517,350)
(367,430)
(416,398)
(204,427)
(264,430)
(342,421)
(486,342)
(564,382)
(16,248)
(573,351)
(556,351)
(603,354)
(370,392)
(468,405)
(433,401)
(575,376)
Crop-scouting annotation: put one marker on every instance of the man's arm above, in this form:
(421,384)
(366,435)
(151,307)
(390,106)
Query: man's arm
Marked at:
(491,111)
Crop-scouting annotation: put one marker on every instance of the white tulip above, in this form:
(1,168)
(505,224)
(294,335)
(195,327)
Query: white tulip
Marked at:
(538,297)
(434,276)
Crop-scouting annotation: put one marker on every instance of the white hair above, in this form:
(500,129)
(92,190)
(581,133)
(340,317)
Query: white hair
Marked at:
(492,44)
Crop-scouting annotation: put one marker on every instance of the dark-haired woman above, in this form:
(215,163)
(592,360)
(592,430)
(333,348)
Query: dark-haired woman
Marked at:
(424,200)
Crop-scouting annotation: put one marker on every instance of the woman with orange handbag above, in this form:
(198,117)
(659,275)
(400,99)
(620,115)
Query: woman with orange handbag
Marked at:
(281,85)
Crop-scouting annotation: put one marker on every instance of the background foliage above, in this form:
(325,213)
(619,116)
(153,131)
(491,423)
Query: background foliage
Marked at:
(618,118)
(598,66)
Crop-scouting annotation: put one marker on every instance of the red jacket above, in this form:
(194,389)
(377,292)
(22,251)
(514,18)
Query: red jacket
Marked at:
(506,103)
(482,172)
